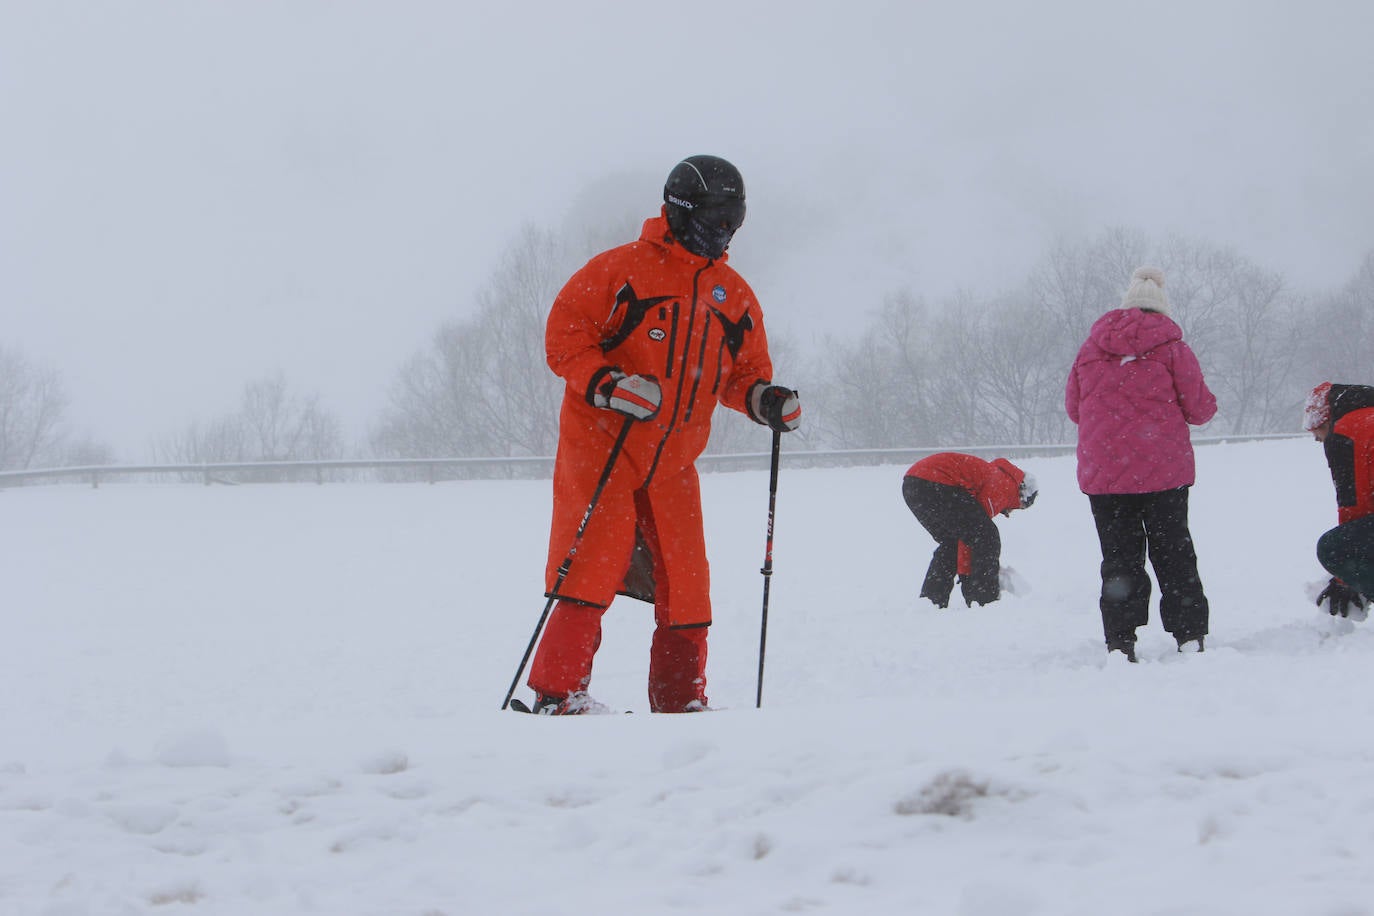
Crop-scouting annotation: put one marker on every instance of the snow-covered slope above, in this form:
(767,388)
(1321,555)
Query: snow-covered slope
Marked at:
(284,700)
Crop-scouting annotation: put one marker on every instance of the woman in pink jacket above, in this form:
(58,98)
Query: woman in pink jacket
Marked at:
(1133,390)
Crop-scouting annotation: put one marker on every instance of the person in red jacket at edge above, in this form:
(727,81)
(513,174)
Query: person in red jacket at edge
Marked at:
(657,331)
(1341,418)
(955,497)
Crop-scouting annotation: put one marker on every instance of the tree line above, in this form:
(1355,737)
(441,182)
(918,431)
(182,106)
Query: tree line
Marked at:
(968,370)
(981,371)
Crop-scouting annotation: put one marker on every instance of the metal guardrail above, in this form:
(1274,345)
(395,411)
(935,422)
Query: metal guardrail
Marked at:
(277,471)
(437,469)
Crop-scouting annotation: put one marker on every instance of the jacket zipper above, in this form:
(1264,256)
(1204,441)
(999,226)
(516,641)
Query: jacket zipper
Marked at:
(672,342)
(701,362)
(720,365)
(686,355)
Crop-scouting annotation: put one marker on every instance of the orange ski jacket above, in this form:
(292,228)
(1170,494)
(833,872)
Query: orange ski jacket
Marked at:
(648,308)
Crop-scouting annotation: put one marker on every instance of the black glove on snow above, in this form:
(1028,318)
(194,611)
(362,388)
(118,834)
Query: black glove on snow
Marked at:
(775,406)
(636,396)
(1339,598)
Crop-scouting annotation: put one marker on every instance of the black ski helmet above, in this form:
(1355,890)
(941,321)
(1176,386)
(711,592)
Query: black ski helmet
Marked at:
(704,201)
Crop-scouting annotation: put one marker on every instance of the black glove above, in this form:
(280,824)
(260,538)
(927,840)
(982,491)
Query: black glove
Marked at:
(636,396)
(775,406)
(1339,598)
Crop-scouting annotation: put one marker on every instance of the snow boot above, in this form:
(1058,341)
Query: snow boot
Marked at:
(1123,644)
(577,703)
(1190,644)
(936,596)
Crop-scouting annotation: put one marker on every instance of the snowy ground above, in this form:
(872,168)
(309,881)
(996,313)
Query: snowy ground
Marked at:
(284,700)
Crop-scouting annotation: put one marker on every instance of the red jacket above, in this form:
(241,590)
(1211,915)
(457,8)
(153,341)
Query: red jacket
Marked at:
(996,484)
(1350,454)
(649,308)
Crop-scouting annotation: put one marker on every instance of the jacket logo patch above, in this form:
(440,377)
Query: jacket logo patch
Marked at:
(718,293)
(657,333)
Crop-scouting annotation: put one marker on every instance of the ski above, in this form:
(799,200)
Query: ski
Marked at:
(517,705)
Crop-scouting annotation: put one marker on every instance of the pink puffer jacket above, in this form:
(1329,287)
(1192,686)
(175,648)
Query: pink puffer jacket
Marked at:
(1133,390)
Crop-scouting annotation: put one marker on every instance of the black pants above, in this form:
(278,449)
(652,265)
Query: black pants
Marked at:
(1129,525)
(1347,552)
(951,515)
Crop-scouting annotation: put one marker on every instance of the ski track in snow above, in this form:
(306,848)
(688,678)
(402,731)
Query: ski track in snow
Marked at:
(284,700)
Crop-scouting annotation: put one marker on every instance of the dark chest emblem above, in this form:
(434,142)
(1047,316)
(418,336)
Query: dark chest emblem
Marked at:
(632,309)
(734,330)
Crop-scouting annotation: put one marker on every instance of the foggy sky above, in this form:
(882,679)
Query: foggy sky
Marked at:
(195,194)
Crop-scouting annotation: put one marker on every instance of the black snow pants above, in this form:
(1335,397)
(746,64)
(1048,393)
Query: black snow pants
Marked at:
(1347,552)
(1129,525)
(951,515)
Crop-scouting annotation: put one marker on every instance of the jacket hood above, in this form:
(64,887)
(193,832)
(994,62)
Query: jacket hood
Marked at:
(657,232)
(1011,470)
(1343,399)
(1132,332)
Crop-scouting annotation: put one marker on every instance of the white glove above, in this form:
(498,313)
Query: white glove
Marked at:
(636,396)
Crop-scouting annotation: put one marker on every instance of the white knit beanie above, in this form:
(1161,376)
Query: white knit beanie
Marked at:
(1147,291)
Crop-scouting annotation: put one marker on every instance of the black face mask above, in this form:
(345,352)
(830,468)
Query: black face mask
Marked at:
(707,229)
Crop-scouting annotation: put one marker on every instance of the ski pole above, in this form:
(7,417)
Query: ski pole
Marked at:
(572,552)
(768,557)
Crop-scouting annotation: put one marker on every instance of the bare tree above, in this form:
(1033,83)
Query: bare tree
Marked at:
(87,452)
(1240,321)
(992,371)
(1336,336)
(33,404)
(482,387)
(1022,361)
(207,442)
(875,392)
(271,424)
(956,400)
(975,373)
(432,412)
(516,394)
(1077,282)
(281,426)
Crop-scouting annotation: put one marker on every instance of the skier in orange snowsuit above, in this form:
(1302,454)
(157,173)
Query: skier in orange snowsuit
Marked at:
(653,333)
